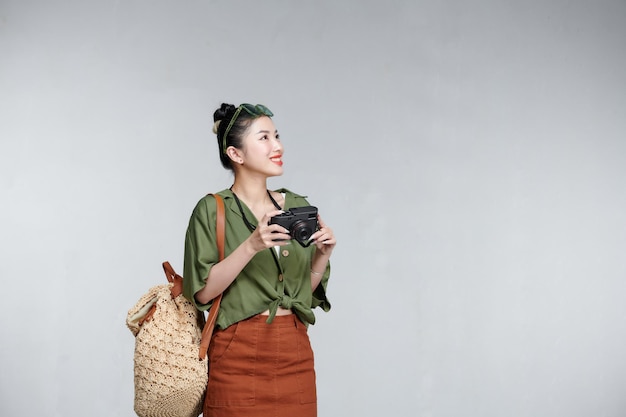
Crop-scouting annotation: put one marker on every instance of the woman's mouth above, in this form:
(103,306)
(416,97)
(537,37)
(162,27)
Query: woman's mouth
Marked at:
(277,160)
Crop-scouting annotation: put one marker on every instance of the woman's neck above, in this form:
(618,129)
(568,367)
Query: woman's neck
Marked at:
(252,193)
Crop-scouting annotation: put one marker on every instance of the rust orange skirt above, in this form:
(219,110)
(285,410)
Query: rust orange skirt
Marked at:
(260,370)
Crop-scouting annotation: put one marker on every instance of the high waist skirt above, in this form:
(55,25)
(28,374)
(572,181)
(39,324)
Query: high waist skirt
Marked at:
(261,370)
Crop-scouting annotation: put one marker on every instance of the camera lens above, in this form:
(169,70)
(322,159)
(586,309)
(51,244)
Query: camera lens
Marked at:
(301,231)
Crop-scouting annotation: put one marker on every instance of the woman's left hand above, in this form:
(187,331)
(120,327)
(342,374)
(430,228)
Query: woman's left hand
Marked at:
(324,238)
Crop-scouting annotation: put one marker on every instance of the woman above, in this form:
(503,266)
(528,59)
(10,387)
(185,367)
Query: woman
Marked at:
(261,362)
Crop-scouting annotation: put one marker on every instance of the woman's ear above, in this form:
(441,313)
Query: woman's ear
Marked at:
(234,155)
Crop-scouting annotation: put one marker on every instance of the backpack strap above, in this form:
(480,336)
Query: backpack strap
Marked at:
(207,331)
(174,278)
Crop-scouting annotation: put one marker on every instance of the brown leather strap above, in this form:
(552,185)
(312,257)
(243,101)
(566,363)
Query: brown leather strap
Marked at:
(173,277)
(148,315)
(207,331)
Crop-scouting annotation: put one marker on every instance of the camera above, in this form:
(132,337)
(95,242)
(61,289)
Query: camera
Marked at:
(301,222)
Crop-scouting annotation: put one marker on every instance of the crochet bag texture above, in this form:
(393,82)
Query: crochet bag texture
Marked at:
(170,378)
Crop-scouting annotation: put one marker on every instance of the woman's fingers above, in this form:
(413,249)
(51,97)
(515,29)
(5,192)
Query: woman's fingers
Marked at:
(268,216)
(272,234)
(324,236)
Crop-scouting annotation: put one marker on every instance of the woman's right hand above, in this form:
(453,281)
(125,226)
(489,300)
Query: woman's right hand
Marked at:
(269,235)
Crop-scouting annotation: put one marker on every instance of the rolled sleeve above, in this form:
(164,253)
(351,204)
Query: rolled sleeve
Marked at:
(200,250)
(319,298)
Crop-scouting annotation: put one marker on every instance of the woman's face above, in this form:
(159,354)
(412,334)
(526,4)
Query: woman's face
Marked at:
(262,150)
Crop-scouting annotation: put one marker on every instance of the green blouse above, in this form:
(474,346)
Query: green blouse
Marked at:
(260,285)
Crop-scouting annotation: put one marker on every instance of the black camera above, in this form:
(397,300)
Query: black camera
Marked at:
(301,222)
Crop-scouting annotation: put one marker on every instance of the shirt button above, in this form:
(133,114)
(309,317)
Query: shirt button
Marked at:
(285,252)
(280,277)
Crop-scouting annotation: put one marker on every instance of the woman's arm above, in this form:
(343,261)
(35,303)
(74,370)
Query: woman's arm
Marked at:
(223,273)
(324,244)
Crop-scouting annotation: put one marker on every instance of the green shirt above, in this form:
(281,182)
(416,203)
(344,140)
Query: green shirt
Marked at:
(258,287)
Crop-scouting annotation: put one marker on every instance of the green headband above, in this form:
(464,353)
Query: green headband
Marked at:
(257,111)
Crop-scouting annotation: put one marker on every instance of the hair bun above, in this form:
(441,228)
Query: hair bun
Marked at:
(220,114)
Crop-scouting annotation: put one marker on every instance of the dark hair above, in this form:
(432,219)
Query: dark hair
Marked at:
(235,136)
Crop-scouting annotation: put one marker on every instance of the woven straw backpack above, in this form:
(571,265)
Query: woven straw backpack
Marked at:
(171,343)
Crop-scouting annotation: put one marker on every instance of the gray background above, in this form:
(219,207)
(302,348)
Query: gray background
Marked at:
(470,156)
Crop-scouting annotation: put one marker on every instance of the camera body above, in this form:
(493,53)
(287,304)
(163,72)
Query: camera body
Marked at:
(301,222)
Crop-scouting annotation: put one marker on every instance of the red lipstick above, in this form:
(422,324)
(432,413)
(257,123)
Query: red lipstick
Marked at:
(277,160)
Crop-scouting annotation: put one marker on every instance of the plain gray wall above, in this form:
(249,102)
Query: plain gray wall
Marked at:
(470,156)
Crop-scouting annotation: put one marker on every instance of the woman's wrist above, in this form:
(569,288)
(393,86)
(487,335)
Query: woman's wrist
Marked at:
(250,246)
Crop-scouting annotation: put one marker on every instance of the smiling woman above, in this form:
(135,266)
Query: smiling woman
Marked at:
(261,361)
